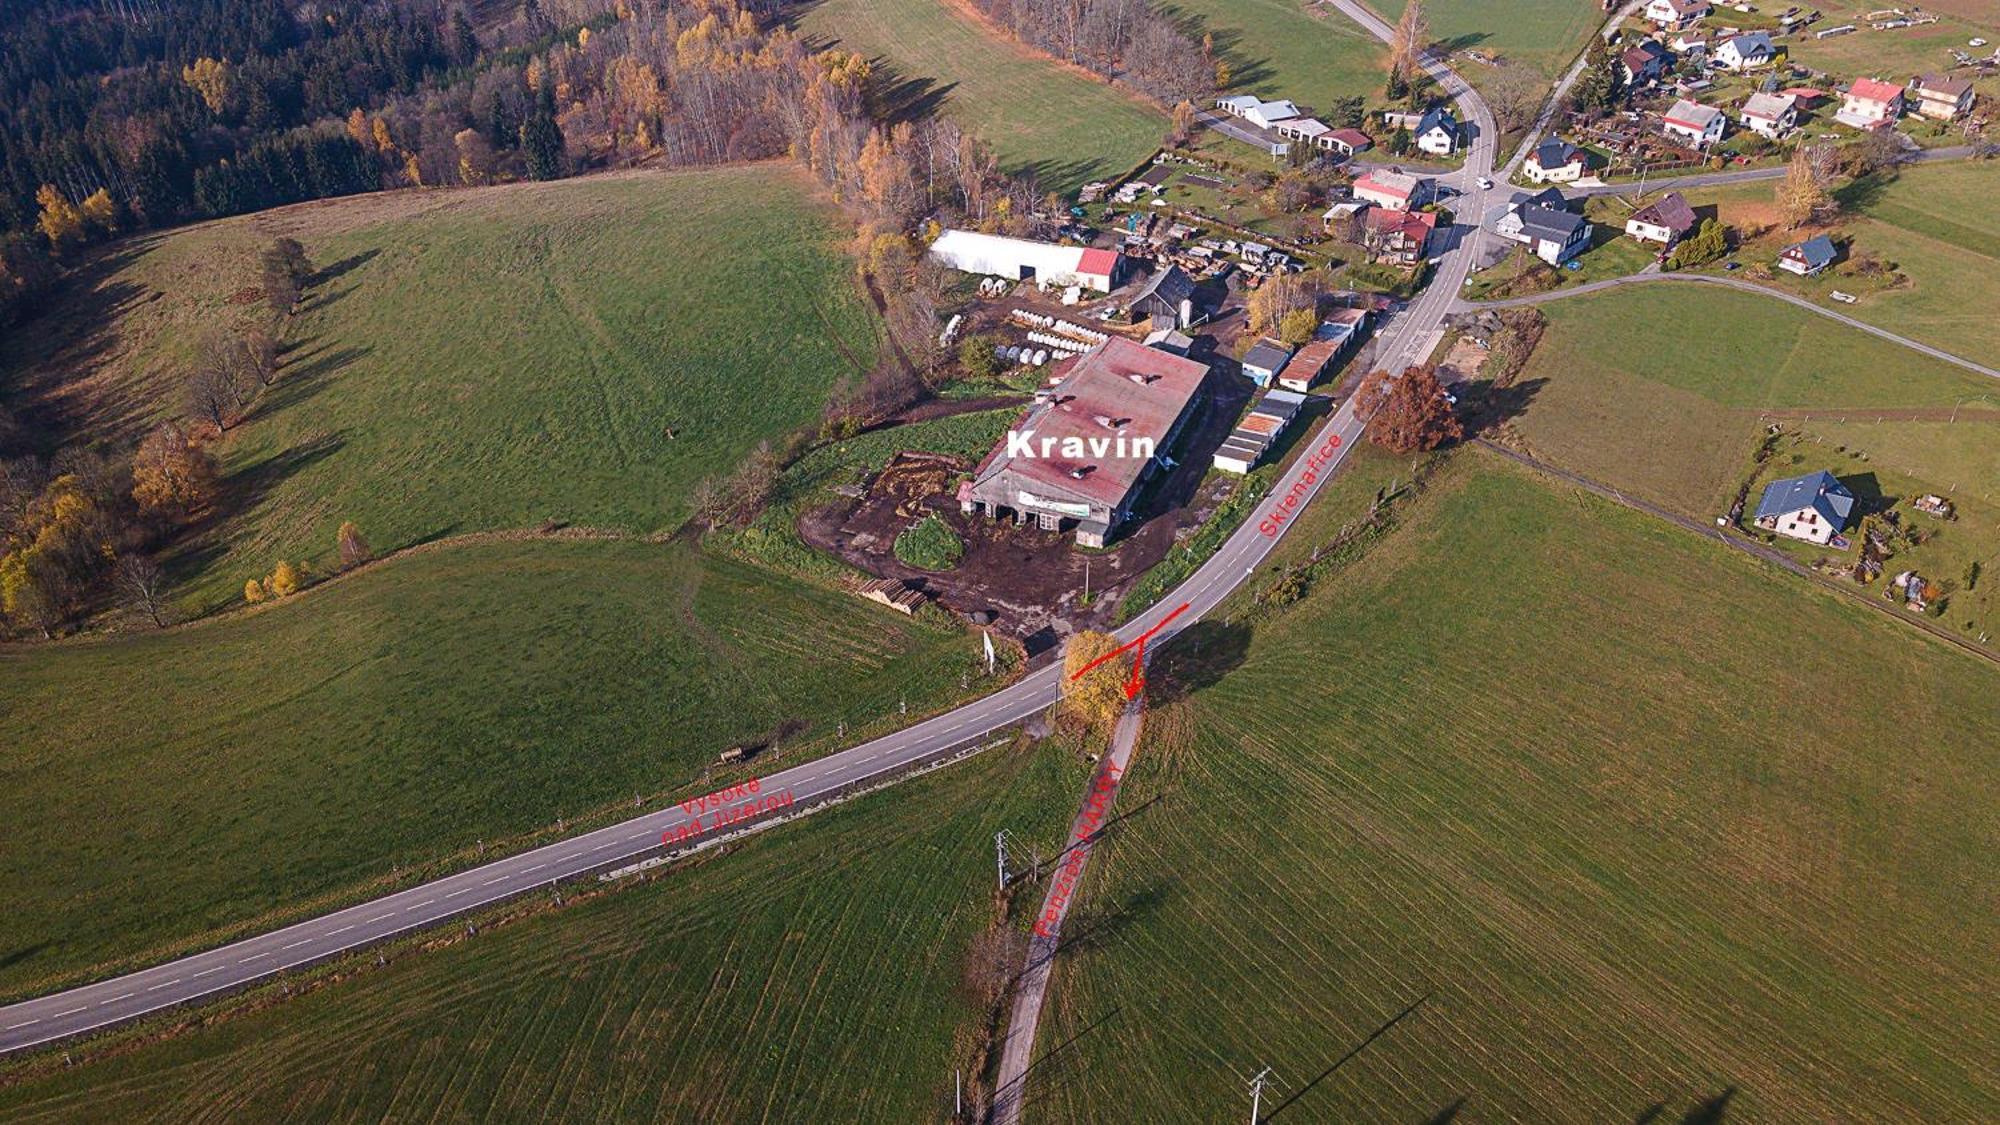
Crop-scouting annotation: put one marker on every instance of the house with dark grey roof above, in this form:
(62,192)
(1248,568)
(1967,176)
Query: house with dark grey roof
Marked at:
(1814,507)
(1809,257)
(1644,62)
(1437,132)
(1544,224)
(1746,52)
(1554,161)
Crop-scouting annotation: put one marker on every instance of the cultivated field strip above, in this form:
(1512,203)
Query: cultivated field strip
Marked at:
(1481,771)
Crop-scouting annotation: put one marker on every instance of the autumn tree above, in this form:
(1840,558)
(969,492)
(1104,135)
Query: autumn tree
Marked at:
(253,591)
(1805,195)
(1280,295)
(210,394)
(354,549)
(212,79)
(286,272)
(285,580)
(1411,38)
(1407,414)
(1092,701)
(59,220)
(1295,328)
(1184,124)
(100,213)
(141,585)
(28,593)
(172,472)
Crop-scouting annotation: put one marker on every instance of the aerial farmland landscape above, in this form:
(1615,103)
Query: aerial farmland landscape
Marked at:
(999,561)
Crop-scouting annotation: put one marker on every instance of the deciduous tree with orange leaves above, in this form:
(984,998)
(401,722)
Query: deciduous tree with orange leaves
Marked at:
(1407,414)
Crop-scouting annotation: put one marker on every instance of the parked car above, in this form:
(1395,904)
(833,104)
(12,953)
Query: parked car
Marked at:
(1485,184)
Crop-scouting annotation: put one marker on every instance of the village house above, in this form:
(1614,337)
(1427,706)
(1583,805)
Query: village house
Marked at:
(1814,507)
(1544,224)
(1554,161)
(1264,360)
(1335,337)
(1676,15)
(1809,257)
(1746,52)
(1870,104)
(1393,189)
(1644,63)
(1665,220)
(1258,431)
(1437,132)
(1024,259)
(1941,96)
(1078,458)
(1697,125)
(1770,115)
(1393,235)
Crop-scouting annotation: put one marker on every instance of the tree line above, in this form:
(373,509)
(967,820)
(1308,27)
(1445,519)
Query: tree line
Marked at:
(1132,41)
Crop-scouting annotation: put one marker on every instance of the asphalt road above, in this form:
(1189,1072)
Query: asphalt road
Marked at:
(1743,286)
(1403,339)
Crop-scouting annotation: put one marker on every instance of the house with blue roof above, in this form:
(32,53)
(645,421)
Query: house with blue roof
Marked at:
(1814,507)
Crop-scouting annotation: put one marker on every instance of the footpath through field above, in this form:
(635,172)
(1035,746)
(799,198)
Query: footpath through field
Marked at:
(1092,818)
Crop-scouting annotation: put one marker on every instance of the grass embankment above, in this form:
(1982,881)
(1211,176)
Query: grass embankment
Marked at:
(1642,824)
(812,974)
(582,351)
(175,787)
(1062,124)
(1661,389)
(1935,225)
(1276,49)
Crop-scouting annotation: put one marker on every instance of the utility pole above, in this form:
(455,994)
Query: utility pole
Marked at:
(1000,856)
(1086,566)
(1257,1085)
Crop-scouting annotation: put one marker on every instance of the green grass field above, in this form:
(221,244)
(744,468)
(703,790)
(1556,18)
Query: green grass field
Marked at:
(1724,845)
(178,787)
(813,973)
(582,351)
(1065,126)
(1277,49)
(1659,388)
(1542,34)
(1935,224)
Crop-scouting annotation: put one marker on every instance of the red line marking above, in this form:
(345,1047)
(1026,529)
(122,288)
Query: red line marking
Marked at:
(1138,642)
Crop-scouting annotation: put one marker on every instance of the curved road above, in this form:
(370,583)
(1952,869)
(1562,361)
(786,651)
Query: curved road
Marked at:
(1743,286)
(1403,339)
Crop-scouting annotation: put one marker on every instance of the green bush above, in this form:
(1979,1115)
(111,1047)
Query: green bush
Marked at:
(930,544)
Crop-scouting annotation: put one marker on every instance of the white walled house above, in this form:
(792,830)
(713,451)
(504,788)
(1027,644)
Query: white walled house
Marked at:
(1746,52)
(1554,161)
(1666,220)
(1870,104)
(1674,15)
(1814,507)
(1393,189)
(1544,224)
(1437,132)
(1941,97)
(1770,115)
(1696,124)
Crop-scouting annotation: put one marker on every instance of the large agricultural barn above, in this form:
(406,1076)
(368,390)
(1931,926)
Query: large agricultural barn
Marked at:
(1022,259)
(1078,456)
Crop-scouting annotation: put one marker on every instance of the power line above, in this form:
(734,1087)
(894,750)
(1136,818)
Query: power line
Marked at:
(1257,1084)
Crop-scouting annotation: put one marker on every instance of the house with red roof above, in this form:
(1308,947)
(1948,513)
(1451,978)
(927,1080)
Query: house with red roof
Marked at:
(1870,104)
(1392,189)
(1393,235)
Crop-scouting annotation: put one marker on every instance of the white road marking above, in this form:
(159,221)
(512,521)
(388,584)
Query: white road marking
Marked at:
(495,879)
(341,930)
(458,892)
(28,1023)
(640,836)
(115,999)
(254,957)
(539,866)
(71,1012)
(164,984)
(419,906)
(217,969)
(378,918)
(294,945)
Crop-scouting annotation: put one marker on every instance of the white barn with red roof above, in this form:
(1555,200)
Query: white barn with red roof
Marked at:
(1024,259)
(1079,456)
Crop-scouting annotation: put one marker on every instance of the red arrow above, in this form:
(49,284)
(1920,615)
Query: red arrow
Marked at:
(1139,643)
(1136,682)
